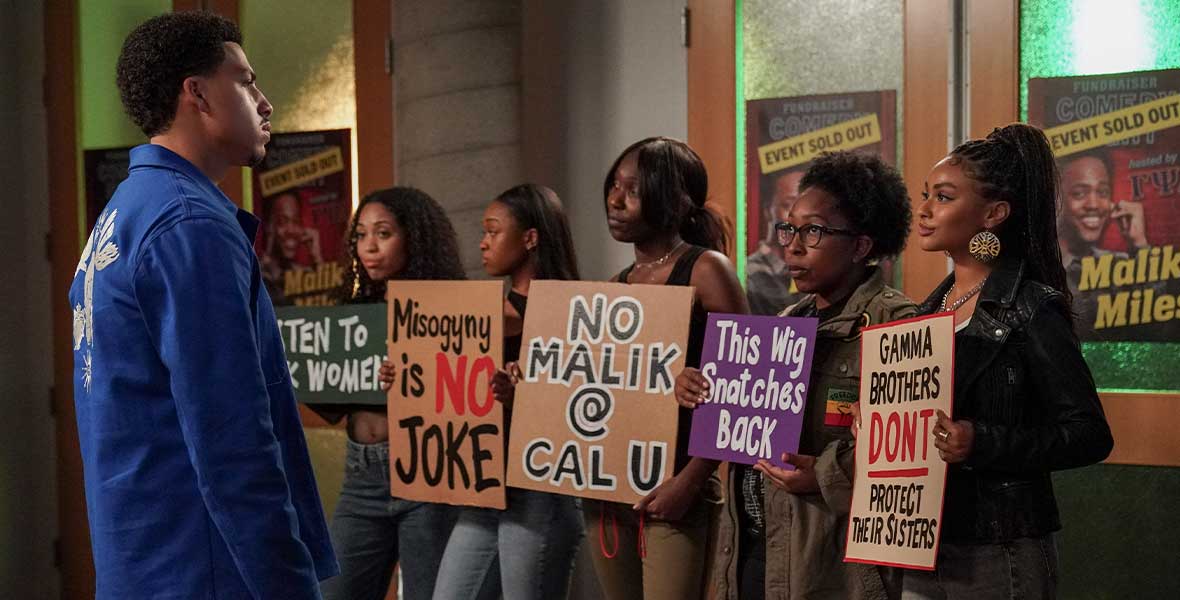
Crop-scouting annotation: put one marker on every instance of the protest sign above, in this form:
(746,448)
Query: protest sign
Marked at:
(595,414)
(907,372)
(446,431)
(334,353)
(758,370)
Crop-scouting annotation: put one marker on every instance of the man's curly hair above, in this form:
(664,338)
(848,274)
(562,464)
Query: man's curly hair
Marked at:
(869,193)
(160,54)
(432,249)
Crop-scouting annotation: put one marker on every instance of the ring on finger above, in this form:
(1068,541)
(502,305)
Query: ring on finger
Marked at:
(943,435)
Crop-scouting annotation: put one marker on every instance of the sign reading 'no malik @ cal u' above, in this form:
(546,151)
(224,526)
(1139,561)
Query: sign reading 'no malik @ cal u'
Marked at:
(594,415)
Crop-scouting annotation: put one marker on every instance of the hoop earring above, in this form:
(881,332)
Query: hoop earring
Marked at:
(984,246)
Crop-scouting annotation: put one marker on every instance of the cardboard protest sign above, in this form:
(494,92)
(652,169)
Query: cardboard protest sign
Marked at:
(334,353)
(446,432)
(907,372)
(595,414)
(758,369)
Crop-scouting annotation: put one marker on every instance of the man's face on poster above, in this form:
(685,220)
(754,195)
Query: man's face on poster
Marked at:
(1086,183)
(287,226)
(786,192)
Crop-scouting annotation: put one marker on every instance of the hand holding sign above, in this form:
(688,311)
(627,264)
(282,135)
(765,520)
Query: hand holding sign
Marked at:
(504,383)
(387,374)
(692,388)
(800,481)
(953,439)
(669,501)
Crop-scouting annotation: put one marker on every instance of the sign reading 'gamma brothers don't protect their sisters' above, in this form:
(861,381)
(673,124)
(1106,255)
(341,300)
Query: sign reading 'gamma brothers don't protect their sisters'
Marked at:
(594,415)
(758,369)
(446,431)
(906,375)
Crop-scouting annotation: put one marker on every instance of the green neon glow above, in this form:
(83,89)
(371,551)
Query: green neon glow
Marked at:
(1061,38)
(739,77)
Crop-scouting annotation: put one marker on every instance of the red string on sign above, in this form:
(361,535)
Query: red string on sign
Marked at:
(614,526)
(642,536)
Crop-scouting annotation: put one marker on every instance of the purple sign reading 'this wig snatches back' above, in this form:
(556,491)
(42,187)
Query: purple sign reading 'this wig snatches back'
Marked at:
(759,369)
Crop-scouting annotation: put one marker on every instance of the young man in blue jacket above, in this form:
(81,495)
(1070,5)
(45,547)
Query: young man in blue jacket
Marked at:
(198,481)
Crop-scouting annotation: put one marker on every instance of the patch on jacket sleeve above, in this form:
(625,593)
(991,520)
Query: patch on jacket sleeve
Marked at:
(839,407)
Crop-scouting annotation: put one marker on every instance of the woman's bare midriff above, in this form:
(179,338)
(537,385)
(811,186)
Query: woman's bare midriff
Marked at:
(368,427)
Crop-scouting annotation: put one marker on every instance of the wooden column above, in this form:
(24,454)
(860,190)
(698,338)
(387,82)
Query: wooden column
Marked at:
(712,102)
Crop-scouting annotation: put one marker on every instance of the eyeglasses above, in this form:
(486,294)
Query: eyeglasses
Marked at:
(812,233)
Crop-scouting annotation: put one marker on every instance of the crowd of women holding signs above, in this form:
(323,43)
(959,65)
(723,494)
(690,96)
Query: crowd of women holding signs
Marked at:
(775,526)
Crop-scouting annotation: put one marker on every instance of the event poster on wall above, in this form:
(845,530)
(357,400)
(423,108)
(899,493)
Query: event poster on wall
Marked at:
(104,169)
(303,195)
(783,136)
(1117,142)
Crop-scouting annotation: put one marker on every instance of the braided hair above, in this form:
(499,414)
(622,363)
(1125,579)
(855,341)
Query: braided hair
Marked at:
(673,188)
(1015,164)
(432,250)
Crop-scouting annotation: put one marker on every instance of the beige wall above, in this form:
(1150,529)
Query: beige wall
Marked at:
(597,76)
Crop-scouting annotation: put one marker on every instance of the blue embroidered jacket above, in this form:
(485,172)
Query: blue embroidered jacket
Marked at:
(198,480)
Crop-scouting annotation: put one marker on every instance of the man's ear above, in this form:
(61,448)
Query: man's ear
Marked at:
(192,90)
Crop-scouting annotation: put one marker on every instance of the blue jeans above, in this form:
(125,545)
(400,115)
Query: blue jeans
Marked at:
(372,531)
(525,552)
(1023,569)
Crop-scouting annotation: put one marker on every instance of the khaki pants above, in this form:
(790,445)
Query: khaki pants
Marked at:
(674,568)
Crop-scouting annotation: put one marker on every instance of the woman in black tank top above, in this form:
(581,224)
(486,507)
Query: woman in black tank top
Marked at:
(527,550)
(654,196)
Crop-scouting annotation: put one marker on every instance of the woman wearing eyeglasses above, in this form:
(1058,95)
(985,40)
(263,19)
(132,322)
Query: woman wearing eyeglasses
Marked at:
(782,533)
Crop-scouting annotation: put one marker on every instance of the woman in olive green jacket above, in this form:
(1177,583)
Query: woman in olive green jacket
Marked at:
(781,534)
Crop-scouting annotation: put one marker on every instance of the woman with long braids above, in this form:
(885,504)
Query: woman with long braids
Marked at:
(654,195)
(1025,402)
(397,233)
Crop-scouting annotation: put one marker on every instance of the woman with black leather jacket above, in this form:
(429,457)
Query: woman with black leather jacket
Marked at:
(1025,402)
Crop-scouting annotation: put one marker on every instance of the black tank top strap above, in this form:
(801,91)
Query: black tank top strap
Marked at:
(518,301)
(625,273)
(682,270)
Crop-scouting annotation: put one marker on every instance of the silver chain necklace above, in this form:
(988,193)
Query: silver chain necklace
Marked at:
(961,301)
(661,260)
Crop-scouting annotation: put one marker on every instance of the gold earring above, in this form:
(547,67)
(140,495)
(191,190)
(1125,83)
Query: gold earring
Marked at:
(984,246)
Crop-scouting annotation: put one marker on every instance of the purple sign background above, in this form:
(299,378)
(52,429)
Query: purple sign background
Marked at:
(764,352)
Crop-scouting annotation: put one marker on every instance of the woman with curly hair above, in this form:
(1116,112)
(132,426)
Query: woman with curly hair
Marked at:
(397,233)
(782,532)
